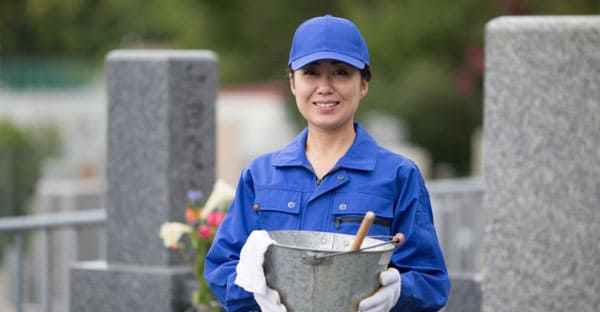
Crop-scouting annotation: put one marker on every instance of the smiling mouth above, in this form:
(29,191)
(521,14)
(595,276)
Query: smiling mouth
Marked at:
(325,104)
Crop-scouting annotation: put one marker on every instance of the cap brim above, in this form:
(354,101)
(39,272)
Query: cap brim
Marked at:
(325,55)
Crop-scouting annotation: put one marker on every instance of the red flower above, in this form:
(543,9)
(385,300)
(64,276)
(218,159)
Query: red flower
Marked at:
(474,57)
(464,82)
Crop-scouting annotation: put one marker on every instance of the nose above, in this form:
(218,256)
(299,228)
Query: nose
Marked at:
(325,85)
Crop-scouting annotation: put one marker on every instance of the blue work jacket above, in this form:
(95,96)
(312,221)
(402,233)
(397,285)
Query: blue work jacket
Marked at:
(279,191)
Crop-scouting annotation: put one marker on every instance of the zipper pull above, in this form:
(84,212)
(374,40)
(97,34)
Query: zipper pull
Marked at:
(338,220)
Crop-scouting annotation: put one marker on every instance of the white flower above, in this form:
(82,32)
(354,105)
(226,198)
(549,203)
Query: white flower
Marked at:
(171,232)
(222,194)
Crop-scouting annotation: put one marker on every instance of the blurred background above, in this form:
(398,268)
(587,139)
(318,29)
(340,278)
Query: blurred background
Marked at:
(425,99)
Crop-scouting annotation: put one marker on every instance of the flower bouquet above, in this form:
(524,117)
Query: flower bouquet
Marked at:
(201,225)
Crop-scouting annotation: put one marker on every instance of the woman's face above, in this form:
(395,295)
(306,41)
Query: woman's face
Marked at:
(327,93)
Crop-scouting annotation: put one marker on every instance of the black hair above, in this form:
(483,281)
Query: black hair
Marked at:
(365,73)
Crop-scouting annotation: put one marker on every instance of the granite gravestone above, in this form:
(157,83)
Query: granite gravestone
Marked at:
(541,158)
(458,220)
(161,143)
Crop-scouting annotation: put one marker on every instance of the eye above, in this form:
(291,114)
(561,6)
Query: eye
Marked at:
(341,72)
(309,72)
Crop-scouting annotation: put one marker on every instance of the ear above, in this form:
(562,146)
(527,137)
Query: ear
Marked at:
(292,83)
(364,87)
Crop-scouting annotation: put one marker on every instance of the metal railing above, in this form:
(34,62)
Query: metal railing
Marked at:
(46,223)
(456,203)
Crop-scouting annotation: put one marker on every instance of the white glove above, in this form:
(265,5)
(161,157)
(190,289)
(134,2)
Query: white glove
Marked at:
(384,299)
(269,301)
(251,275)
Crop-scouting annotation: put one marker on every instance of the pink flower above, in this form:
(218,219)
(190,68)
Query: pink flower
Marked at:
(215,218)
(204,231)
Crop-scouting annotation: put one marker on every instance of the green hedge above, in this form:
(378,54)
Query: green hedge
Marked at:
(22,151)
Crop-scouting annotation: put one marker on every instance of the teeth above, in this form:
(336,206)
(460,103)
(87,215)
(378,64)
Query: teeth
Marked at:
(326,104)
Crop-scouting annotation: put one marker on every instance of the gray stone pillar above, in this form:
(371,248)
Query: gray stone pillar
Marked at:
(161,143)
(541,159)
(465,293)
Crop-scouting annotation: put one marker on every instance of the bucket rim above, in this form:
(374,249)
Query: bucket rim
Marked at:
(373,239)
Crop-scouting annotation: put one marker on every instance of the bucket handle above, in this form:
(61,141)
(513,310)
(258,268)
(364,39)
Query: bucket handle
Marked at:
(318,257)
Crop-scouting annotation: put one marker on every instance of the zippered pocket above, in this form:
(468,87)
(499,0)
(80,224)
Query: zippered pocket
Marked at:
(349,209)
(378,221)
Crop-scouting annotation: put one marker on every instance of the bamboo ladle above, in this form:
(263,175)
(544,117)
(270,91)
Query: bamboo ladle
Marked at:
(365,225)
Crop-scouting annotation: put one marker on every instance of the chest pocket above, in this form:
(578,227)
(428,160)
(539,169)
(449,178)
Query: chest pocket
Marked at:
(350,208)
(278,209)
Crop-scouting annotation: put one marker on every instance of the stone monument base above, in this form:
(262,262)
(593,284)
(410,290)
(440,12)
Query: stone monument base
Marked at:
(102,286)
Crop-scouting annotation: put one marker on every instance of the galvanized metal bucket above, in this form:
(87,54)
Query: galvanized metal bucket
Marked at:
(314,271)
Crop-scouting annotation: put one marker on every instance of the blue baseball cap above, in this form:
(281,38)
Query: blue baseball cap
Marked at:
(328,37)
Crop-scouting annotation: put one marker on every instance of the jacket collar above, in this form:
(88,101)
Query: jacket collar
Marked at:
(362,155)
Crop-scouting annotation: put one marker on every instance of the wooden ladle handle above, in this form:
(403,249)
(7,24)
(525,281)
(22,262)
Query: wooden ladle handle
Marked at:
(365,225)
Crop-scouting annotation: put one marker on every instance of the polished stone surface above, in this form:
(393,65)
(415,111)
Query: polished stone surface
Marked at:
(161,143)
(541,158)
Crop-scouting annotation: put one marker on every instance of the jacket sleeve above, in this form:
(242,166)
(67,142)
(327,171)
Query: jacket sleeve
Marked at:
(223,255)
(425,282)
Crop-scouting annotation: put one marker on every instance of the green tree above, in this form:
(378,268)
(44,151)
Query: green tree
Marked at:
(427,56)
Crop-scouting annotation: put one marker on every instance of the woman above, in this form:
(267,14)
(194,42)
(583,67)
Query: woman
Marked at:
(326,180)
